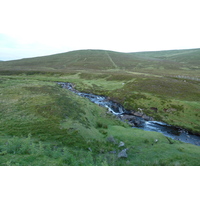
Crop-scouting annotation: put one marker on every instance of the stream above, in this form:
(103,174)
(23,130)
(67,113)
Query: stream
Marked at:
(137,119)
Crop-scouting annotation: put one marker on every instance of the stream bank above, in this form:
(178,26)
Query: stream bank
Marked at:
(137,119)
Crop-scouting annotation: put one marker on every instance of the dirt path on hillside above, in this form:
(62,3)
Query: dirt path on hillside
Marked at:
(111,60)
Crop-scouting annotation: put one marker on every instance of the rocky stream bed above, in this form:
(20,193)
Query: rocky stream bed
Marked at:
(137,119)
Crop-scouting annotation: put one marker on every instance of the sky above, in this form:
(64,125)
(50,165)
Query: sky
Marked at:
(30,28)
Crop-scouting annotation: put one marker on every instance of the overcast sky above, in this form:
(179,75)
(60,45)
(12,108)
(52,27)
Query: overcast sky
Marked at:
(30,28)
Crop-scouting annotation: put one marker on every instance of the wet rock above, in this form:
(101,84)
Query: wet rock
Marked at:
(147,118)
(122,154)
(131,124)
(130,119)
(137,122)
(121,144)
(138,114)
(127,117)
(115,107)
(136,118)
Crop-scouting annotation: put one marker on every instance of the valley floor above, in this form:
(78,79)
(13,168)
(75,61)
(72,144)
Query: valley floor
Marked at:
(42,124)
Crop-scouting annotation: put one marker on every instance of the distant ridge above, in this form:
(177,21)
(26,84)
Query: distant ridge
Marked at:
(107,60)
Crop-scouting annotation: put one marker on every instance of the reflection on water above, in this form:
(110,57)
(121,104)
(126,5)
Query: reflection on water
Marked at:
(137,121)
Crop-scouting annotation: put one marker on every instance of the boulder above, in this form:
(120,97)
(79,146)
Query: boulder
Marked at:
(122,154)
(131,124)
(147,118)
(138,114)
(127,117)
(121,144)
(137,122)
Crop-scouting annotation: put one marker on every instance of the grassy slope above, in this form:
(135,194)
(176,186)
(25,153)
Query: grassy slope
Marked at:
(63,126)
(161,62)
(190,56)
(42,124)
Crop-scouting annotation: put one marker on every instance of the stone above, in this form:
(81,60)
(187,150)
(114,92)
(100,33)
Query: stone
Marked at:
(140,110)
(138,114)
(137,123)
(121,144)
(131,124)
(128,117)
(122,154)
(147,118)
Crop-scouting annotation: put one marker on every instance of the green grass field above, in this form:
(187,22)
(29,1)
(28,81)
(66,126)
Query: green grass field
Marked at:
(43,124)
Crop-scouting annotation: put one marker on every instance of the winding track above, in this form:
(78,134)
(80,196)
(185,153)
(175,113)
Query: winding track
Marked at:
(111,60)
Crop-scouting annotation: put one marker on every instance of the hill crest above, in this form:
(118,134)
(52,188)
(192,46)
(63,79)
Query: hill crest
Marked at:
(108,60)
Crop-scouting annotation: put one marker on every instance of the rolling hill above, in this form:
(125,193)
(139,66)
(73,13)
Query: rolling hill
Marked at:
(160,62)
(43,124)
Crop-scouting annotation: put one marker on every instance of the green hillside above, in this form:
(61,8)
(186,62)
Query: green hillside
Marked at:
(169,62)
(190,56)
(43,124)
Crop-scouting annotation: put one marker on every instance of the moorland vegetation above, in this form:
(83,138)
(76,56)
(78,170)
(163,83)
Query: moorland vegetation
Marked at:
(43,124)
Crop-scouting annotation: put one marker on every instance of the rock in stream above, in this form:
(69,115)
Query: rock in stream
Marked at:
(137,119)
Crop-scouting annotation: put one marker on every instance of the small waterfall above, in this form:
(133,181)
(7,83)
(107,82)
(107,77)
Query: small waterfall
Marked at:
(135,120)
